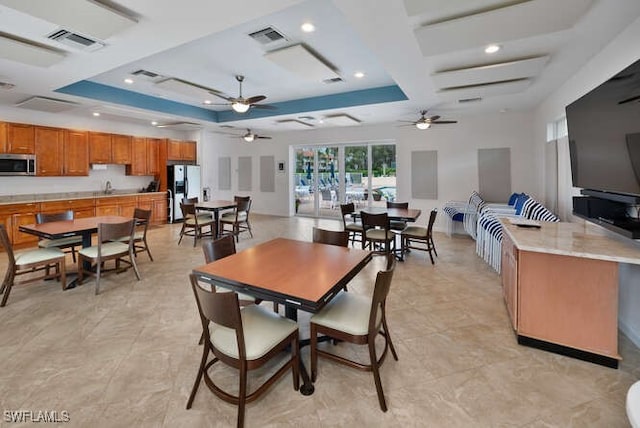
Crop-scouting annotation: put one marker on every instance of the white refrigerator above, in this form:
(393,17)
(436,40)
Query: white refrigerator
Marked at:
(183,182)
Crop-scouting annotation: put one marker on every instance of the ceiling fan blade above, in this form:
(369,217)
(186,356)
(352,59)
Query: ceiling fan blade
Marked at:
(264,106)
(440,122)
(628,100)
(255,99)
(407,121)
(264,138)
(433,118)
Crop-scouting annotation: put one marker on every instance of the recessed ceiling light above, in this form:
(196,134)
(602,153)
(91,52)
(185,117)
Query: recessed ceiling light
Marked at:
(308,27)
(358,74)
(492,49)
(154,123)
(96,114)
(128,81)
(207,102)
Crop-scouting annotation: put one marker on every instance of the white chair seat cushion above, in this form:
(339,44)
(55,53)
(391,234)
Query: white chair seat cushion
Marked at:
(49,243)
(415,231)
(379,235)
(353,227)
(263,329)
(108,249)
(138,236)
(633,405)
(38,256)
(203,220)
(231,217)
(347,312)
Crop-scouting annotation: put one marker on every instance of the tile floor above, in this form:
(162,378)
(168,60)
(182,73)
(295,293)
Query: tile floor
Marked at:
(128,357)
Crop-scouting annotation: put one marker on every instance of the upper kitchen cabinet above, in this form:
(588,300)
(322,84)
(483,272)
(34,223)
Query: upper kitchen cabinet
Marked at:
(76,152)
(17,138)
(153,156)
(99,147)
(181,150)
(138,164)
(121,149)
(49,150)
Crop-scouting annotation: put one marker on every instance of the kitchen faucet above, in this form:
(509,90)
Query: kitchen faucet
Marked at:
(107,188)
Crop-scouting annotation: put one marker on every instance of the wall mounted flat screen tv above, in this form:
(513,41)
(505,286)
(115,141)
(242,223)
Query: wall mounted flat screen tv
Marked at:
(604,135)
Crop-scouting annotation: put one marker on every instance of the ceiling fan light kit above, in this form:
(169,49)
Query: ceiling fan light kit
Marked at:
(423,125)
(239,107)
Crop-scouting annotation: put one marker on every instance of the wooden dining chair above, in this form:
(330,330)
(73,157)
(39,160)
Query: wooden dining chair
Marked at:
(331,237)
(376,232)
(69,242)
(238,219)
(245,340)
(194,224)
(142,218)
(398,224)
(357,319)
(420,238)
(110,246)
(28,262)
(354,228)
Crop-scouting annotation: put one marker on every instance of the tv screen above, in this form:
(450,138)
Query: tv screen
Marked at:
(604,135)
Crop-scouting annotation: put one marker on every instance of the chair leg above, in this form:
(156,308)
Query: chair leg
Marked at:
(73,254)
(62,270)
(6,286)
(134,264)
(314,351)
(376,375)
(249,228)
(242,393)
(433,245)
(98,267)
(181,233)
(146,247)
(295,367)
(203,361)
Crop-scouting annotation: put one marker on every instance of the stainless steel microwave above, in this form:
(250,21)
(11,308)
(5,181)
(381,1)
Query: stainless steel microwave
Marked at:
(17,164)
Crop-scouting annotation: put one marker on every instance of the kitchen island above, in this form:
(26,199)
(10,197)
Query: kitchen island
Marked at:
(560,285)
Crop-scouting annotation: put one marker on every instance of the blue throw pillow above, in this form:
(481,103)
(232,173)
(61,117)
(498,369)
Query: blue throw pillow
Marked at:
(513,198)
(520,202)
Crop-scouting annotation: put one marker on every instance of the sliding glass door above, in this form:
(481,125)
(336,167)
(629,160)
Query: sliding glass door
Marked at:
(320,186)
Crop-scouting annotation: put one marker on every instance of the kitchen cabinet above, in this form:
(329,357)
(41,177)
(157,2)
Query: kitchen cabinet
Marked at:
(49,150)
(20,138)
(99,147)
(76,153)
(138,164)
(3,137)
(181,150)
(116,205)
(157,203)
(82,208)
(121,149)
(153,154)
(15,215)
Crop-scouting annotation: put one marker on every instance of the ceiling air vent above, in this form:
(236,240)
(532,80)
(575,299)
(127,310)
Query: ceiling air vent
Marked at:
(267,35)
(146,74)
(470,100)
(333,80)
(75,40)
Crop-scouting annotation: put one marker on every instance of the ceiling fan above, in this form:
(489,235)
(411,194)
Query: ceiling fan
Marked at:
(425,122)
(250,136)
(240,104)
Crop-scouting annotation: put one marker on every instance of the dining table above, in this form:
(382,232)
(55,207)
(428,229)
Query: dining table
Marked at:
(216,206)
(84,227)
(297,274)
(409,215)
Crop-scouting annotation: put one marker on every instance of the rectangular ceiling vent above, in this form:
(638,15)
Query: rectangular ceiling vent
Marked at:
(333,80)
(50,105)
(267,35)
(470,100)
(146,74)
(75,40)
(181,126)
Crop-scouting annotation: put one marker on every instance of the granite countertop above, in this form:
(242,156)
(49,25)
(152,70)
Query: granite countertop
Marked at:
(573,239)
(44,197)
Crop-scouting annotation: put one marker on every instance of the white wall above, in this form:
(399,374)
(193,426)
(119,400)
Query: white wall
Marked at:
(456,144)
(96,180)
(617,55)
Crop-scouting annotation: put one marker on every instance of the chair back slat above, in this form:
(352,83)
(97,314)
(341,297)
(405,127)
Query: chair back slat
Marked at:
(399,205)
(432,220)
(49,217)
(331,237)
(219,248)
(380,293)
(188,209)
(190,200)
(370,221)
(116,231)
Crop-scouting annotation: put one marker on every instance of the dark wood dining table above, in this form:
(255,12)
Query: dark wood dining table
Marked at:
(84,227)
(216,206)
(300,275)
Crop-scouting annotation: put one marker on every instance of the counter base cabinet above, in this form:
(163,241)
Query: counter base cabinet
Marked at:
(157,204)
(563,304)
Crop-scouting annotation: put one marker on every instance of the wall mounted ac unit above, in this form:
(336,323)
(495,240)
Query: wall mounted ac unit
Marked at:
(75,40)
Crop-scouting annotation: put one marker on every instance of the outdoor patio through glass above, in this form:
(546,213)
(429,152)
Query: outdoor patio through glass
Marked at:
(326,176)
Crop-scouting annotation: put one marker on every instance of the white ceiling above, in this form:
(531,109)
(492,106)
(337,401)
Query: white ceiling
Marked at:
(430,51)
